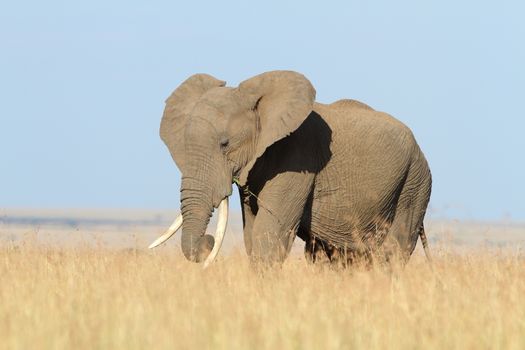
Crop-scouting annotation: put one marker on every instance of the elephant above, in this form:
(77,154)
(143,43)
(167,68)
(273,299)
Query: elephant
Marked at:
(350,181)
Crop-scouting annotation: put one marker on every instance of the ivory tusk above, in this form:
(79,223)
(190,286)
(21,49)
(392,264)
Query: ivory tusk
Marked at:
(169,232)
(222,222)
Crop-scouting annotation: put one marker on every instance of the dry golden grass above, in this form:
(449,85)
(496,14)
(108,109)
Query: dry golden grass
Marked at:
(52,298)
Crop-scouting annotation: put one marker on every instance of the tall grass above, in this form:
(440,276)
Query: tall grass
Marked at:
(91,298)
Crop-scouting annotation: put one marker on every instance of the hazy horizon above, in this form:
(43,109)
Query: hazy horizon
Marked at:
(83,87)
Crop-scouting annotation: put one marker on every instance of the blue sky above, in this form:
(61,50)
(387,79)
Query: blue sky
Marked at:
(82,88)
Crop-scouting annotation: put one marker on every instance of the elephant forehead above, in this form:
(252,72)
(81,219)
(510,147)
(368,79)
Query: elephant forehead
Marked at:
(205,122)
(224,99)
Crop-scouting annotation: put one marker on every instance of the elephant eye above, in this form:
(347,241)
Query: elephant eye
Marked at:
(224,143)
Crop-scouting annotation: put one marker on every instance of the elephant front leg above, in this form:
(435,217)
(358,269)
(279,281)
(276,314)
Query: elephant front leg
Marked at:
(281,205)
(248,218)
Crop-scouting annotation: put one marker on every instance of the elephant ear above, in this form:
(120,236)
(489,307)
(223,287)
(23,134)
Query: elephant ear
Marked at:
(178,108)
(283,100)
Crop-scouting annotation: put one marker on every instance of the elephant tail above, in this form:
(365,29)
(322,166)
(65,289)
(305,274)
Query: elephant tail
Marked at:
(424,242)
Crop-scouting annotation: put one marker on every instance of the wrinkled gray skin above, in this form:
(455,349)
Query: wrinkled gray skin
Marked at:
(347,179)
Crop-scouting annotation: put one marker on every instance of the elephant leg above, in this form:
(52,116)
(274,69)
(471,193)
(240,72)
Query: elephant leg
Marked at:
(281,205)
(408,221)
(397,241)
(248,218)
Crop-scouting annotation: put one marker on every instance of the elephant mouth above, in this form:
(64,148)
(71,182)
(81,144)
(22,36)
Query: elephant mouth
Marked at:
(222,223)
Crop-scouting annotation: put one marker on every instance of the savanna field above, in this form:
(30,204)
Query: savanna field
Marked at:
(101,296)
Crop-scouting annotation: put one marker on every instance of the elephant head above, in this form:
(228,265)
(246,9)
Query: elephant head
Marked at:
(216,133)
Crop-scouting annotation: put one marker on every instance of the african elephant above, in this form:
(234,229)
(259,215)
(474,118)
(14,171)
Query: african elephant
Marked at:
(345,178)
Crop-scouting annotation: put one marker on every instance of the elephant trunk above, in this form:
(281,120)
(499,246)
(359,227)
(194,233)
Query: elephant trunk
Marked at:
(196,209)
(196,246)
(206,183)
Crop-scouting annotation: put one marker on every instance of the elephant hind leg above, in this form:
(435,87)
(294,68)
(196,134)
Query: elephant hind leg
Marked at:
(407,225)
